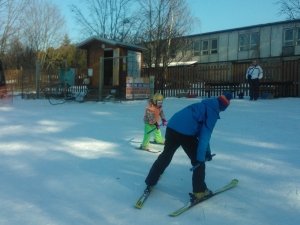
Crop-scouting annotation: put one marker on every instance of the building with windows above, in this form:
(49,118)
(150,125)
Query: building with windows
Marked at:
(279,39)
(215,61)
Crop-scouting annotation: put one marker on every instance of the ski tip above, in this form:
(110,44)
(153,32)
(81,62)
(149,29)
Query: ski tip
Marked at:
(138,206)
(235,181)
(176,213)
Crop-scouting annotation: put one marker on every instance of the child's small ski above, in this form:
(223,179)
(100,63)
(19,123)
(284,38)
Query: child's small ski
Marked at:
(189,205)
(140,202)
(148,150)
(156,143)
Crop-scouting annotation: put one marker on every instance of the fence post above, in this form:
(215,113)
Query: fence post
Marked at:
(101,78)
(37,78)
(151,85)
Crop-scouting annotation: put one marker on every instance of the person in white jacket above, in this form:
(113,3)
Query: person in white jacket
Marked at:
(253,75)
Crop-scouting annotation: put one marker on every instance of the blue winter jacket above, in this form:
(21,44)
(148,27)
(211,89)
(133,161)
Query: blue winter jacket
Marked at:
(198,120)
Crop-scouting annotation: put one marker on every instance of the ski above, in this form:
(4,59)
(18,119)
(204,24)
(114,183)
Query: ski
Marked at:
(140,202)
(148,150)
(151,142)
(233,183)
(155,143)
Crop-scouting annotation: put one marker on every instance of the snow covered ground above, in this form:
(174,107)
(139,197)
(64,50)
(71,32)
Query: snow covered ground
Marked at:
(75,164)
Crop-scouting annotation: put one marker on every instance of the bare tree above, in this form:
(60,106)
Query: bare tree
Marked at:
(105,18)
(10,16)
(290,8)
(43,27)
(164,26)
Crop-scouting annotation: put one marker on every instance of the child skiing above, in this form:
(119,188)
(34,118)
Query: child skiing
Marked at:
(153,114)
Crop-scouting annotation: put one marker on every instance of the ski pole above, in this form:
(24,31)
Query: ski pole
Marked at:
(153,129)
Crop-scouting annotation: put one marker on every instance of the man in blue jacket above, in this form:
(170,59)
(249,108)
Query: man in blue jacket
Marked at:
(191,128)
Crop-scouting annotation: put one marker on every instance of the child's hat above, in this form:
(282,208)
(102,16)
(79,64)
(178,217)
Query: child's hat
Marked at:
(158,97)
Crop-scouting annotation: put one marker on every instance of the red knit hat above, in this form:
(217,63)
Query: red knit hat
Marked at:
(224,101)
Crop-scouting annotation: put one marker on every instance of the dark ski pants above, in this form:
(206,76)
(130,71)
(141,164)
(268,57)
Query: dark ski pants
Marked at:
(173,140)
(253,89)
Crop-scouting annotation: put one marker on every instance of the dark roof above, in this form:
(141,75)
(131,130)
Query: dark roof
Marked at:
(86,42)
(247,27)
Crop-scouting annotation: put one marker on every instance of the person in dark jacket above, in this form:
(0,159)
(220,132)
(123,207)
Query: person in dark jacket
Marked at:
(191,128)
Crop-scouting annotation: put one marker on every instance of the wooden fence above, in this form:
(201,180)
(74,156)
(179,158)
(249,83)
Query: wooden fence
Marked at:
(281,79)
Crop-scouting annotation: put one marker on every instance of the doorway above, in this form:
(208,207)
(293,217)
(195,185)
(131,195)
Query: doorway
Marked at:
(108,67)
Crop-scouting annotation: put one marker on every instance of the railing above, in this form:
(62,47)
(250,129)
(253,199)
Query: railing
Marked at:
(280,77)
(277,89)
(217,88)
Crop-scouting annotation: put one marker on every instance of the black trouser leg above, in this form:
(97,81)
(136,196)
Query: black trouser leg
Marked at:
(199,184)
(162,162)
(250,89)
(255,89)
(198,178)
(189,144)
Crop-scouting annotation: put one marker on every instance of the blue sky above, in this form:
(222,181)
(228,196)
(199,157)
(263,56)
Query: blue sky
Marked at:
(213,15)
(217,15)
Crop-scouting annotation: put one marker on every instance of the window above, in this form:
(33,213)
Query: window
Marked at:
(254,41)
(288,37)
(204,47)
(133,63)
(248,41)
(214,46)
(243,42)
(173,53)
(196,48)
(291,37)
(298,37)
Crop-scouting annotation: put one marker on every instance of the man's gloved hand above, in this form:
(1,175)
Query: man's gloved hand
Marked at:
(208,156)
(157,126)
(164,122)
